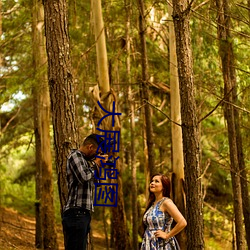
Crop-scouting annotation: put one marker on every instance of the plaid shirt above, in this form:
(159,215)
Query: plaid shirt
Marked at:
(80,179)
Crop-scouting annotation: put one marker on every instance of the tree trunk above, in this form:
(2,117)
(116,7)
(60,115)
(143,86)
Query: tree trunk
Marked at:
(101,51)
(243,179)
(145,89)
(132,131)
(107,98)
(46,237)
(176,132)
(189,126)
(105,226)
(230,93)
(119,219)
(133,174)
(38,59)
(61,87)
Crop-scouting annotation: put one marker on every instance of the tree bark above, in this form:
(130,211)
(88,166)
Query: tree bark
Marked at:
(176,132)
(132,130)
(181,16)
(231,116)
(145,89)
(243,178)
(61,87)
(46,237)
(101,51)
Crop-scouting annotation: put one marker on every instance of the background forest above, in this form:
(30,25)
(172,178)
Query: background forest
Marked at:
(20,84)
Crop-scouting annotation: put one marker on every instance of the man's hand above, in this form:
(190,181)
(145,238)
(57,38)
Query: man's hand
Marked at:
(101,158)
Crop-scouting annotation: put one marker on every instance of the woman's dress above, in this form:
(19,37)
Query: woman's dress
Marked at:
(155,220)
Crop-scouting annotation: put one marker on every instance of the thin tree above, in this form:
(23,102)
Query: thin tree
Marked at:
(132,129)
(145,90)
(176,131)
(101,51)
(181,16)
(46,237)
(243,179)
(61,88)
(107,98)
(231,115)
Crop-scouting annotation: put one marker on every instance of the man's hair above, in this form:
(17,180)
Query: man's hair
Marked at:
(93,139)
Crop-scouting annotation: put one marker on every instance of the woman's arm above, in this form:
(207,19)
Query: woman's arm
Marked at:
(169,207)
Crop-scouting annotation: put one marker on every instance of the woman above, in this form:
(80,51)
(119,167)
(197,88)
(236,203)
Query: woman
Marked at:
(159,215)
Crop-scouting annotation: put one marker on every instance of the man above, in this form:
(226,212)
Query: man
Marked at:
(80,180)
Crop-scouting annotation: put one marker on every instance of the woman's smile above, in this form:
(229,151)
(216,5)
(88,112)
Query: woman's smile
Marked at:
(156,184)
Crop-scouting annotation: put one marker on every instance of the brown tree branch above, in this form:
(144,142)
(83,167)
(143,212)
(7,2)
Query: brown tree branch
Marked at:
(10,120)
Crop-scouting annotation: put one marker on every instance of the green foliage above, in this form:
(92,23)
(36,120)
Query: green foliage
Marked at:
(19,197)
(26,174)
(218,228)
(18,188)
(15,88)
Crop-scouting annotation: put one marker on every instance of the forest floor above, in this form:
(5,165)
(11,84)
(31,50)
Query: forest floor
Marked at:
(18,232)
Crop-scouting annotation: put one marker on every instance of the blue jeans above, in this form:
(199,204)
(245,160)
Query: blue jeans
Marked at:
(76,226)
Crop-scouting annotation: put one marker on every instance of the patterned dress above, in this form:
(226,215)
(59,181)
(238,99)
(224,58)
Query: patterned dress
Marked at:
(155,220)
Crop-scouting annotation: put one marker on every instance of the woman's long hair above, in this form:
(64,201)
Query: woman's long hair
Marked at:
(166,185)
